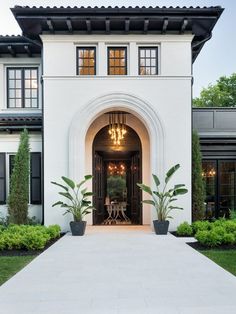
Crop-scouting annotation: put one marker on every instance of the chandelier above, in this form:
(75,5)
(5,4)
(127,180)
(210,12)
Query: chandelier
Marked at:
(209,173)
(117,126)
(114,168)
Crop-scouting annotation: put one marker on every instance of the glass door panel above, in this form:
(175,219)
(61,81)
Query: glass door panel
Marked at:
(209,168)
(227,187)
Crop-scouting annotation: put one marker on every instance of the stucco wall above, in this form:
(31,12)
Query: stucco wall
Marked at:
(168,96)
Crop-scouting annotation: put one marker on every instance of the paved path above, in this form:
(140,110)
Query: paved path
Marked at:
(120,270)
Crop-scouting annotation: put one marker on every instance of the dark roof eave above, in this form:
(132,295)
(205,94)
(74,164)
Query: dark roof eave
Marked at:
(201,21)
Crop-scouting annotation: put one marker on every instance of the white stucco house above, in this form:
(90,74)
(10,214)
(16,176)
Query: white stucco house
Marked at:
(72,71)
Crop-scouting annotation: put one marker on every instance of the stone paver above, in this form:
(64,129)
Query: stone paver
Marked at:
(120,270)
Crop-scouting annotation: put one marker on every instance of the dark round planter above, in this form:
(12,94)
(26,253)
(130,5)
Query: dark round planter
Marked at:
(161,227)
(78,227)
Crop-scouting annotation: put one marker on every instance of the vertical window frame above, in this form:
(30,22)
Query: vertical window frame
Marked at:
(157,60)
(126,60)
(4,178)
(22,69)
(77,60)
(33,202)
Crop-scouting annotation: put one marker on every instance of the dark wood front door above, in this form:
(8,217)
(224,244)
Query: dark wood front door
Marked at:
(135,193)
(98,189)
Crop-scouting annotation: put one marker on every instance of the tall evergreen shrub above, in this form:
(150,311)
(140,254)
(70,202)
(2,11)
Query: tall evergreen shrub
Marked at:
(198,185)
(19,183)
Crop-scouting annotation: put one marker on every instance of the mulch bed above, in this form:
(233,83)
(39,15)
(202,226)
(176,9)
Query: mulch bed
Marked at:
(178,236)
(32,252)
(197,246)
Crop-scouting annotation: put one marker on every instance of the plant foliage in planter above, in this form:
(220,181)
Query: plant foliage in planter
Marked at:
(163,199)
(77,202)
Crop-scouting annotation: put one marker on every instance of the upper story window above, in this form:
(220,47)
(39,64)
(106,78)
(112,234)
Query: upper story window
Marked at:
(117,61)
(86,61)
(22,87)
(148,61)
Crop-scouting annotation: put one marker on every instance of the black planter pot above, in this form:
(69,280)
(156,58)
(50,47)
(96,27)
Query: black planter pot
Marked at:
(161,227)
(78,227)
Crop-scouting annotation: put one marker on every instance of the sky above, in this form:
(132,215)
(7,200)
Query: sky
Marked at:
(217,58)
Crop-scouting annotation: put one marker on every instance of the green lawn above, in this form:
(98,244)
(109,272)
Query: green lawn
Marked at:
(10,265)
(224,258)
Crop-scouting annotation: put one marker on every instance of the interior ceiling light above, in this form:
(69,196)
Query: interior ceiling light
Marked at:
(117,127)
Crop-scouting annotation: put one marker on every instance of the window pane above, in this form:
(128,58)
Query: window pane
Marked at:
(148,60)
(27,103)
(18,103)
(11,84)
(209,175)
(11,103)
(34,74)
(18,93)
(11,74)
(18,74)
(117,61)
(18,83)
(34,103)
(86,61)
(34,93)
(27,74)
(153,53)
(27,93)
(11,93)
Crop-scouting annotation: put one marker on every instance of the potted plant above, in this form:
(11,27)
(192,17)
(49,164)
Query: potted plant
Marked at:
(77,203)
(163,199)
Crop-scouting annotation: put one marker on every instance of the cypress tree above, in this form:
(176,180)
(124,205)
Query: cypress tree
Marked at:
(19,183)
(198,186)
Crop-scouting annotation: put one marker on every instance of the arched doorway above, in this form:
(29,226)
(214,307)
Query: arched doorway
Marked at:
(116,170)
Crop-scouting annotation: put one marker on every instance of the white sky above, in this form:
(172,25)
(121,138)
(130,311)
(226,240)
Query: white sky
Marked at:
(217,58)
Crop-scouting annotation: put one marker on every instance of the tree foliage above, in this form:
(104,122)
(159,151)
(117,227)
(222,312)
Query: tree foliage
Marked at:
(198,186)
(19,183)
(221,94)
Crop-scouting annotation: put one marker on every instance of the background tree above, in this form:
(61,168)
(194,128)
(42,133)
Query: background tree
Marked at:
(198,186)
(222,94)
(19,183)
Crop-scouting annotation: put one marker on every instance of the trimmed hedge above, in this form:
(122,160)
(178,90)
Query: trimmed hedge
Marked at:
(211,234)
(18,237)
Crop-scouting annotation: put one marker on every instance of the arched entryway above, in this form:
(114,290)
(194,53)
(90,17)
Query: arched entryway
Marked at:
(142,118)
(117,168)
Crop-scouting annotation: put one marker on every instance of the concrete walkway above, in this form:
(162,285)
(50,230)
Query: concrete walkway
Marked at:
(120,270)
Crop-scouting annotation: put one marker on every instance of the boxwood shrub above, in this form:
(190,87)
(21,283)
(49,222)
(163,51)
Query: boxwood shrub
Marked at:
(184,229)
(17,237)
(211,234)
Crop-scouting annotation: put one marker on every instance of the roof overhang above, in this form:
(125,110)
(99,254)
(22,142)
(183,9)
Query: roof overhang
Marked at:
(18,45)
(14,122)
(139,20)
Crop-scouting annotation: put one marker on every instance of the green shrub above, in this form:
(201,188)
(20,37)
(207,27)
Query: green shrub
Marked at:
(15,237)
(54,231)
(229,238)
(230,226)
(185,229)
(208,238)
(201,226)
(35,240)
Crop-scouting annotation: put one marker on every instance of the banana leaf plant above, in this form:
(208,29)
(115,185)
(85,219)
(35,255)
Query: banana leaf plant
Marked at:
(77,197)
(163,199)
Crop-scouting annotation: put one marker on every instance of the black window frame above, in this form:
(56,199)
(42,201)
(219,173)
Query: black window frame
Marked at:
(95,60)
(39,177)
(108,58)
(139,60)
(218,162)
(4,179)
(22,69)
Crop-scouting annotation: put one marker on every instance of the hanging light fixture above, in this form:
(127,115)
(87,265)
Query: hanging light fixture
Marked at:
(117,127)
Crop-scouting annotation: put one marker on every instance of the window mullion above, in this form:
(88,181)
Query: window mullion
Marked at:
(23,88)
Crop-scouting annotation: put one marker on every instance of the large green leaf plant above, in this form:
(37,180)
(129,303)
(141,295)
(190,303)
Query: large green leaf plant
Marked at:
(77,198)
(162,199)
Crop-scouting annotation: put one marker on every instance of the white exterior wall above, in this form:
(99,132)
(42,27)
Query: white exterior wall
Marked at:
(67,97)
(9,142)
